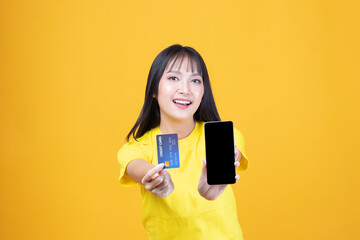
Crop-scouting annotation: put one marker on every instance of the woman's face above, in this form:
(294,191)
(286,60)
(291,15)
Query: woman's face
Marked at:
(180,91)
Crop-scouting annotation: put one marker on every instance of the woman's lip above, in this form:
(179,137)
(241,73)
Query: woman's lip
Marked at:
(181,106)
(182,99)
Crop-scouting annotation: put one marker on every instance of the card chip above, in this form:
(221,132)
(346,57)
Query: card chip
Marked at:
(167,163)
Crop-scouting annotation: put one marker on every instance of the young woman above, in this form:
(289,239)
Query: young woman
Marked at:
(178,203)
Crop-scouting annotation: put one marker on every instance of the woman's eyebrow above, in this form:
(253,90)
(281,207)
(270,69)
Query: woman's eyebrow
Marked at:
(171,71)
(178,72)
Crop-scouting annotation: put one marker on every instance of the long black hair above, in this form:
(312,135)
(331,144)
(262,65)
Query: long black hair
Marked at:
(150,113)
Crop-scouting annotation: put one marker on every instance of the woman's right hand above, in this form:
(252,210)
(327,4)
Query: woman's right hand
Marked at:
(158,181)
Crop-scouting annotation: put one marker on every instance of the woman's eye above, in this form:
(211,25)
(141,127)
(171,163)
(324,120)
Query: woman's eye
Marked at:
(173,78)
(196,81)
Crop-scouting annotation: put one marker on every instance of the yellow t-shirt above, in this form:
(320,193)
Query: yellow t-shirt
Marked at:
(184,214)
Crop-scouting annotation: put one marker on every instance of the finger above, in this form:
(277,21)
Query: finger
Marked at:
(166,190)
(163,189)
(163,172)
(150,186)
(158,190)
(150,174)
(237,164)
(163,193)
(237,177)
(237,155)
(203,173)
(203,169)
(164,183)
(155,191)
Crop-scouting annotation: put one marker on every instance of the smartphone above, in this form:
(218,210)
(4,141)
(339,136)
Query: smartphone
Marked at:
(220,152)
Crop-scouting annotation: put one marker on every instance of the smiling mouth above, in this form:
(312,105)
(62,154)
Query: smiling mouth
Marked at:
(182,102)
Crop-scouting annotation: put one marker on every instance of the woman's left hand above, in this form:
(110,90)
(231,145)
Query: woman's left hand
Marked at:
(212,192)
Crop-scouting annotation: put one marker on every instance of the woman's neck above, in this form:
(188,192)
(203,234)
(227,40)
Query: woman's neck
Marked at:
(183,129)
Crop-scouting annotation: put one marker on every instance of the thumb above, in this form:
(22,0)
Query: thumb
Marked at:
(152,173)
(203,186)
(203,169)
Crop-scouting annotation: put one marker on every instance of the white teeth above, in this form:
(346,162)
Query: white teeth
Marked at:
(182,102)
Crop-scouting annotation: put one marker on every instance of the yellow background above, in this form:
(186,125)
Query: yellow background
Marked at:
(73,77)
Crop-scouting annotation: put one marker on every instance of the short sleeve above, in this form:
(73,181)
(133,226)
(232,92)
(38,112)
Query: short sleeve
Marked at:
(130,151)
(240,143)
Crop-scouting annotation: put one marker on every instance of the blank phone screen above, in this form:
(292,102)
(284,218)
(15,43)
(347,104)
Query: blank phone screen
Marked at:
(220,155)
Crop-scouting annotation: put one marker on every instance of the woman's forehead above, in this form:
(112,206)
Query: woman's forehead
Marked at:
(182,62)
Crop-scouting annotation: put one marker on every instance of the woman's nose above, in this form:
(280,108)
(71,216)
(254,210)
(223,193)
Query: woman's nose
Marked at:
(184,87)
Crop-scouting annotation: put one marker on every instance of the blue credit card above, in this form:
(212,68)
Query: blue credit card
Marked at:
(168,150)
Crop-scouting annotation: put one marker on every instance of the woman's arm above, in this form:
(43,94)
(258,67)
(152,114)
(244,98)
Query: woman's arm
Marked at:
(155,179)
(137,169)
